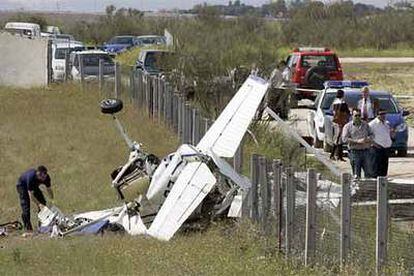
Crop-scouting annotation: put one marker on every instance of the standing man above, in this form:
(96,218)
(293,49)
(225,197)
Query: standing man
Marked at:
(381,144)
(28,190)
(368,105)
(341,116)
(358,135)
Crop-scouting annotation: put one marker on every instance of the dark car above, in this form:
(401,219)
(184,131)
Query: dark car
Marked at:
(119,44)
(395,116)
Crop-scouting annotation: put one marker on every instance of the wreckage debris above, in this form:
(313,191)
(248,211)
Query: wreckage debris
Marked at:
(177,188)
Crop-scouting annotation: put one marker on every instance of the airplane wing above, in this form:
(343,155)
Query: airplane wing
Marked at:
(225,134)
(191,187)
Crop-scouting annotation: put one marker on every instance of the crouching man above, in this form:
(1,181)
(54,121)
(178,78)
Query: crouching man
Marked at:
(28,190)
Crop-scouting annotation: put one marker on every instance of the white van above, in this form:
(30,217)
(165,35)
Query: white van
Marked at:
(59,51)
(29,30)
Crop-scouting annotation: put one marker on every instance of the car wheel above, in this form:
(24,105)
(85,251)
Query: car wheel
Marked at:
(111,106)
(326,146)
(402,153)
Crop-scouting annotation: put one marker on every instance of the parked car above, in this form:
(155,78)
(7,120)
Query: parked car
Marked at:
(91,64)
(309,68)
(320,119)
(119,44)
(150,40)
(152,61)
(24,29)
(59,52)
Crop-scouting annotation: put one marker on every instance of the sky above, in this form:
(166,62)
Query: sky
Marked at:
(99,5)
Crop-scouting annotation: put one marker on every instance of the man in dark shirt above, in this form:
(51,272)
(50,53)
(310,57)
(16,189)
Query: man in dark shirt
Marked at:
(28,189)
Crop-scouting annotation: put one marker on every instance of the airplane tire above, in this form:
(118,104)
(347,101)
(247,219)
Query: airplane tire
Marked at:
(111,106)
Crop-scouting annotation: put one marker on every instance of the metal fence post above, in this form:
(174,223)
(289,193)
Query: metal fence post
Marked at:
(117,80)
(195,129)
(290,211)
(150,96)
(188,124)
(206,125)
(382,223)
(101,75)
(254,193)
(310,245)
(278,199)
(66,77)
(175,112)
(82,72)
(154,97)
(345,242)
(132,94)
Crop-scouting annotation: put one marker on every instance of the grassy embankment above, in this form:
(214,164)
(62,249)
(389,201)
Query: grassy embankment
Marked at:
(62,128)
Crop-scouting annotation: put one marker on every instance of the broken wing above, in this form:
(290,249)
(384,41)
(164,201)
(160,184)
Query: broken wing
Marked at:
(192,186)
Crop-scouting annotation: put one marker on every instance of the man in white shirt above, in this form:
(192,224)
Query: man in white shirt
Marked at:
(367,105)
(381,144)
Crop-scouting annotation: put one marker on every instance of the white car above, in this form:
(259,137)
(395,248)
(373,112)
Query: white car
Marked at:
(91,64)
(59,52)
(321,115)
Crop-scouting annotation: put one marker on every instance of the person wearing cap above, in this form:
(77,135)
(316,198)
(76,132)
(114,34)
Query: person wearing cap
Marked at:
(368,105)
(28,190)
(341,116)
(358,135)
(381,144)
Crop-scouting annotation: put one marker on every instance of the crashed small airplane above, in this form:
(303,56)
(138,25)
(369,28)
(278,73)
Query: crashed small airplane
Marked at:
(193,182)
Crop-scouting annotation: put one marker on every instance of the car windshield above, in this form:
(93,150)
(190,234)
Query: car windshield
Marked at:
(386,103)
(313,60)
(60,52)
(156,60)
(121,40)
(93,60)
(150,40)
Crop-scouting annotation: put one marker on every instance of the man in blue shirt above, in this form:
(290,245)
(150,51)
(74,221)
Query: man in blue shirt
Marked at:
(28,189)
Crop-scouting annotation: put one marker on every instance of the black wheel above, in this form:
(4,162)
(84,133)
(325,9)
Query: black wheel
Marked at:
(316,76)
(111,106)
(402,153)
